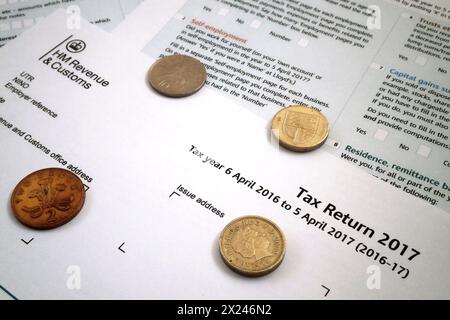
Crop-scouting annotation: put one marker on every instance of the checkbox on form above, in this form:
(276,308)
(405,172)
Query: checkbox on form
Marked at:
(424,151)
(223,12)
(421,60)
(4,26)
(255,24)
(16,24)
(28,22)
(380,135)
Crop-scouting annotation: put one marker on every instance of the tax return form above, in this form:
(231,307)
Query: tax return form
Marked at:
(153,168)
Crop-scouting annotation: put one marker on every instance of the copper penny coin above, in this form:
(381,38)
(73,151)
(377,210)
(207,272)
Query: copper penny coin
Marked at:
(177,76)
(48,198)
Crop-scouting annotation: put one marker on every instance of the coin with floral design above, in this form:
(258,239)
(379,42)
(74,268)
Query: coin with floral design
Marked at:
(48,198)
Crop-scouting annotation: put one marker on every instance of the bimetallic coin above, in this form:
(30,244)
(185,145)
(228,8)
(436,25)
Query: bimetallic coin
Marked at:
(48,198)
(177,76)
(300,128)
(252,246)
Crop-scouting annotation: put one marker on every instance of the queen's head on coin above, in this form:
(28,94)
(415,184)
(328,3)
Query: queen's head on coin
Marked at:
(251,244)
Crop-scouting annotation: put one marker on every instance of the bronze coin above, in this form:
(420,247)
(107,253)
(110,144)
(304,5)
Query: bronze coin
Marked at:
(177,76)
(300,128)
(252,246)
(48,198)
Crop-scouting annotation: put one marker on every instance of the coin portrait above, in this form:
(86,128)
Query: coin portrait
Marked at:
(300,128)
(252,246)
(48,198)
(177,76)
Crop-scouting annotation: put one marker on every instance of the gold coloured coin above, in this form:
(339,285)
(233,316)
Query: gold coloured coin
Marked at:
(252,246)
(48,198)
(177,76)
(300,128)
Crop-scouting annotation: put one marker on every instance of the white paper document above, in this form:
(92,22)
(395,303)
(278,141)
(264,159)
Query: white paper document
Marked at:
(163,178)
(16,16)
(379,70)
